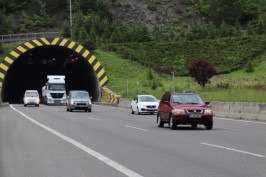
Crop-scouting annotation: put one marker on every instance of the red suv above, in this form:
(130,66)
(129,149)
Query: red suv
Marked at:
(185,108)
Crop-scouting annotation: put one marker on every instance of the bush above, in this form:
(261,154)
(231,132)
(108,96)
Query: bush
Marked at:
(201,70)
(249,68)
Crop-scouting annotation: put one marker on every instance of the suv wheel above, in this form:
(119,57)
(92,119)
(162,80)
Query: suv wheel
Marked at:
(172,124)
(209,126)
(159,121)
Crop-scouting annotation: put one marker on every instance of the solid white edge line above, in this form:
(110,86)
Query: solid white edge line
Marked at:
(236,150)
(136,128)
(93,153)
(246,121)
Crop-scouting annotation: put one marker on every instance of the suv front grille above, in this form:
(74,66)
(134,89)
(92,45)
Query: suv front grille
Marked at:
(195,111)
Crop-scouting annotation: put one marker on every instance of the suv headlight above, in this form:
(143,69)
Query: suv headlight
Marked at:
(178,111)
(71,102)
(208,111)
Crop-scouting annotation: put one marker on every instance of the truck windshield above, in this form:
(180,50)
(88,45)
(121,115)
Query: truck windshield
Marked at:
(57,87)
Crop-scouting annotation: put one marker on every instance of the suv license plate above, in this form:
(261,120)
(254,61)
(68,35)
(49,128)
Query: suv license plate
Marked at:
(194,116)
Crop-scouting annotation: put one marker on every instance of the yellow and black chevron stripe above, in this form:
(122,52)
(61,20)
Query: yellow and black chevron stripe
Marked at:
(17,52)
(109,96)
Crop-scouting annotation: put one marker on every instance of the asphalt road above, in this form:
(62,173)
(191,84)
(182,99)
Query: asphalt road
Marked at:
(47,141)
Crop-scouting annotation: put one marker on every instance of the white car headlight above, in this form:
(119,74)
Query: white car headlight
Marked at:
(71,102)
(208,111)
(178,111)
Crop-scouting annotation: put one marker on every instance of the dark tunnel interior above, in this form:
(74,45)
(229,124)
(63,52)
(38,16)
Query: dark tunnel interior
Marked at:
(30,70)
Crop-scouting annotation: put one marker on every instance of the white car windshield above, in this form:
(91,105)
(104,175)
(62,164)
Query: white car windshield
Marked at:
(147,99)
(186,99)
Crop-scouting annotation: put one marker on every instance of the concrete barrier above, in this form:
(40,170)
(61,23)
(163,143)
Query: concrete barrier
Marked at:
(240,110)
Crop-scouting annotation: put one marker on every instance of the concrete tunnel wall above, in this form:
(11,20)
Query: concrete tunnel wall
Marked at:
(27,67)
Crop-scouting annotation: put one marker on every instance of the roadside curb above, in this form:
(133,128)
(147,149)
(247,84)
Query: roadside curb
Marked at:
(106,104)
(4,104)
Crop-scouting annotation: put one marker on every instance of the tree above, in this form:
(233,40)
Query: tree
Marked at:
(201,70)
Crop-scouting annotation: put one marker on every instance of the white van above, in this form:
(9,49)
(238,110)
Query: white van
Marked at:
(31,97)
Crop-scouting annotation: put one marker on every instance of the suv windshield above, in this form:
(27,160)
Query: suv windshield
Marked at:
(147,99)
(186,99)
(57,87)
(83,95)
(31,94)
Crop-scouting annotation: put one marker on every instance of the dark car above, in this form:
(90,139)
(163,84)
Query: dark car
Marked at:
(185,108)
(78,100)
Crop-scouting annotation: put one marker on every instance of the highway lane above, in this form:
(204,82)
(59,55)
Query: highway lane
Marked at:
(124,144)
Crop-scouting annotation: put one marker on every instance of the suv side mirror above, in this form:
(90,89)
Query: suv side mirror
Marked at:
(207,102)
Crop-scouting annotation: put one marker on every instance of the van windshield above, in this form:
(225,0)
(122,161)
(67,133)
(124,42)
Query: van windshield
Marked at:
(56,87)
(83,95)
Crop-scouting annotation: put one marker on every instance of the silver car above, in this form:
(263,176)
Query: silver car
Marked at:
(31,97)
(78,100)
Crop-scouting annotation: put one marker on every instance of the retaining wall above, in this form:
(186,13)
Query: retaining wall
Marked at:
(240,110)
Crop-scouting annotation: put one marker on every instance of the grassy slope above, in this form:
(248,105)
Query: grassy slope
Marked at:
(241,84)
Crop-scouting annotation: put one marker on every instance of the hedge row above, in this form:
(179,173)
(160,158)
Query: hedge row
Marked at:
(227,54)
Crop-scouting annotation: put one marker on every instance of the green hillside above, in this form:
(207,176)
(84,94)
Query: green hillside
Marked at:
(235,86)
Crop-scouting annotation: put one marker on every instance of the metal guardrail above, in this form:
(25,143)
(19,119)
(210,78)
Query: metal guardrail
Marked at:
(27,36)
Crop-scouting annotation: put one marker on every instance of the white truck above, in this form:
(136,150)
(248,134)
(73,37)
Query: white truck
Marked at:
(54,91)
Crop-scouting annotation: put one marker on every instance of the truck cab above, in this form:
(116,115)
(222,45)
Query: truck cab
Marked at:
(54,91)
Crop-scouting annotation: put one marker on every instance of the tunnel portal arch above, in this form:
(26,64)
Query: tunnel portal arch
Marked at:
(27,66)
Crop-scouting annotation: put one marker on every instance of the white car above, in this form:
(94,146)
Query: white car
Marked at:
(144,104)
(31,97)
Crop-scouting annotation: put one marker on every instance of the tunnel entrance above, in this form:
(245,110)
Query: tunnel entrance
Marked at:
(30,68)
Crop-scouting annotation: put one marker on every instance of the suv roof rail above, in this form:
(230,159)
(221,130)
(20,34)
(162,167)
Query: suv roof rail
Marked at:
(189,91)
